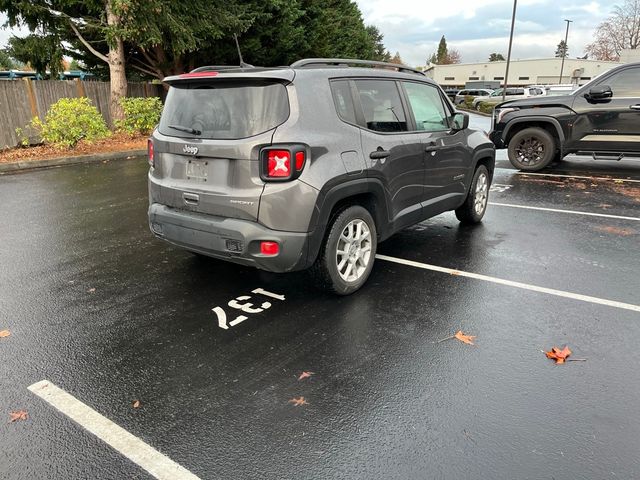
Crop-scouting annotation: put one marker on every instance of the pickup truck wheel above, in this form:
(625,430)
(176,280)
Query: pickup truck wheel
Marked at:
(475,205)
(532,149)
(347,255)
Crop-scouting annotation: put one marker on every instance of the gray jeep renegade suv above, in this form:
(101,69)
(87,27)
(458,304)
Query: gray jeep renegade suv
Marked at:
(310,165)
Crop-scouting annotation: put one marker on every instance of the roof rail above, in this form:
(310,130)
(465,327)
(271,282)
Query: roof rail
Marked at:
(213,68)
(345,62)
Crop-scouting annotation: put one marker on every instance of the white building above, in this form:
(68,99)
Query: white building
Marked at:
(629,55)
(544,71)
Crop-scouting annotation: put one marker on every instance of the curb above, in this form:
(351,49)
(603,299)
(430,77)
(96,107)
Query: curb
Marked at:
(60,162)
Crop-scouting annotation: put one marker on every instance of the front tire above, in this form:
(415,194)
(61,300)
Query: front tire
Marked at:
(475,205)
(532,149)
(346,257)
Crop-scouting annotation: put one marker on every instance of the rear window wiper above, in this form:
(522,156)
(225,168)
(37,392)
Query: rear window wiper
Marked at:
(192,131)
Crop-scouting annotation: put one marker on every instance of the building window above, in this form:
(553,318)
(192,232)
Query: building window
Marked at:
(449,78)
(523,78)
(474,78)
(498,78)
(585,78)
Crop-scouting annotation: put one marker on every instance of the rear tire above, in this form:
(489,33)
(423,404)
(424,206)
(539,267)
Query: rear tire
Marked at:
(532,149)
(346,257)
(475,205)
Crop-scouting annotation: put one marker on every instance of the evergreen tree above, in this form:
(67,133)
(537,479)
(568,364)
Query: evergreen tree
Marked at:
(6,62)
(496,57)
(397,59)
(562,50)
(41,52)
(443,52)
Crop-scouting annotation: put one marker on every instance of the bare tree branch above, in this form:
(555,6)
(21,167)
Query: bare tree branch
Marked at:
(144,70)
(101,56)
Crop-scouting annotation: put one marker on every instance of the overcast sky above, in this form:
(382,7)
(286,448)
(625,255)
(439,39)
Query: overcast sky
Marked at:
(475,28)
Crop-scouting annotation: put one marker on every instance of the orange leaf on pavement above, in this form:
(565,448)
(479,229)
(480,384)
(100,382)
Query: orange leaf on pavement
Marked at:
(304,375)
(136,404)
(558,355)
(298,401)
(468,339)
(4,333)
(18,415)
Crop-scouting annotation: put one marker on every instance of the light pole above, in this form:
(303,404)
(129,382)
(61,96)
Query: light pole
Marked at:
(506,74)
(566,49)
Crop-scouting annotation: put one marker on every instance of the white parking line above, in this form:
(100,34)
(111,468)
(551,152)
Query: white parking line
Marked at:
(509,283)
(515,172)
(115,436)
(557,210)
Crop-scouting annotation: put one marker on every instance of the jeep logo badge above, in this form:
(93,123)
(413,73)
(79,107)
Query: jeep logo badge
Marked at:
(190,149)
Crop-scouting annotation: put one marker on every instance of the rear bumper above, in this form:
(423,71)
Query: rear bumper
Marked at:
(229,239)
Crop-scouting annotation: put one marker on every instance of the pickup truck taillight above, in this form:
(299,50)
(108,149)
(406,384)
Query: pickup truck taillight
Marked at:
(282,162)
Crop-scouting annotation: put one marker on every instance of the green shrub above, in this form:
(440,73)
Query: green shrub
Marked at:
(70,120)
(486,107)
(468,101)
(141,115)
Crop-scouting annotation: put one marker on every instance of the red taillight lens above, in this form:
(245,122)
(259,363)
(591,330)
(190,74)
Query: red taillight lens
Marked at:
(282,162)
(150,152)
(278,163)
(269,248)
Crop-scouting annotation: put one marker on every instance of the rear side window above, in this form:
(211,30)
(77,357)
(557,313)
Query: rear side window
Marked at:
(344,102)
(381,105)
(221,110)
(427,107)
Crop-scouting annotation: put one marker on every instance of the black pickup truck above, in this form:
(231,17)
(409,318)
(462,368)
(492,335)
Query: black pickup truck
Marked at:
(600,119)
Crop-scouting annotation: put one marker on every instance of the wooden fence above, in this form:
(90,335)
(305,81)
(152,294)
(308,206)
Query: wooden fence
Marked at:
(21,100)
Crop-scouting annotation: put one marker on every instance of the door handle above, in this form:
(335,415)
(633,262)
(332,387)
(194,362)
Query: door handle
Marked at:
(431,147)
(635,107)
(191,198)
(379,154)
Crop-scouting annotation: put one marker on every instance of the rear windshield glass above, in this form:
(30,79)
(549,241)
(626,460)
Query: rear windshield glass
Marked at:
(223,110)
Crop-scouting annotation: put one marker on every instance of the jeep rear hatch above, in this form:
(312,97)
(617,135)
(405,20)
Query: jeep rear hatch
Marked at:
(210,132)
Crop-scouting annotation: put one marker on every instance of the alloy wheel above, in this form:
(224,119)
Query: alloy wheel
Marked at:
(354,250)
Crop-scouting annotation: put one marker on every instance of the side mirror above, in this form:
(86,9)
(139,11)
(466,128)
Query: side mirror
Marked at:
(460,121)
(601,92)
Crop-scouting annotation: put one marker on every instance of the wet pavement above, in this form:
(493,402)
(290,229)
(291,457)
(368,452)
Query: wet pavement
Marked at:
(111,315)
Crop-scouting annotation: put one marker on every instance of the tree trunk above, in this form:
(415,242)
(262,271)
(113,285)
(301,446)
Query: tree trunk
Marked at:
(118,80)
(117,73)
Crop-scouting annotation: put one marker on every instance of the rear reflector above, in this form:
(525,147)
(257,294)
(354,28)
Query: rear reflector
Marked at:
(269,248)
(150,152)
(299,160)
(278,163)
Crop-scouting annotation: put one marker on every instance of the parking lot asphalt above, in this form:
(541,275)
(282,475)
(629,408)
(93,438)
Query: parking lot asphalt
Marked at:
(100,308)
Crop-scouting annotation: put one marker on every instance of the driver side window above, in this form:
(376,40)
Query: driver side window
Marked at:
(428,109)
(625,83)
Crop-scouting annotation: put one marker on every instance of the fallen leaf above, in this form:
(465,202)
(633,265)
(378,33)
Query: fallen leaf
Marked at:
(18,415)
(298,401)
(468,339)
(623,232)
(304,375)
(136,404)
(558,355)
(91,290)
(4,333)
